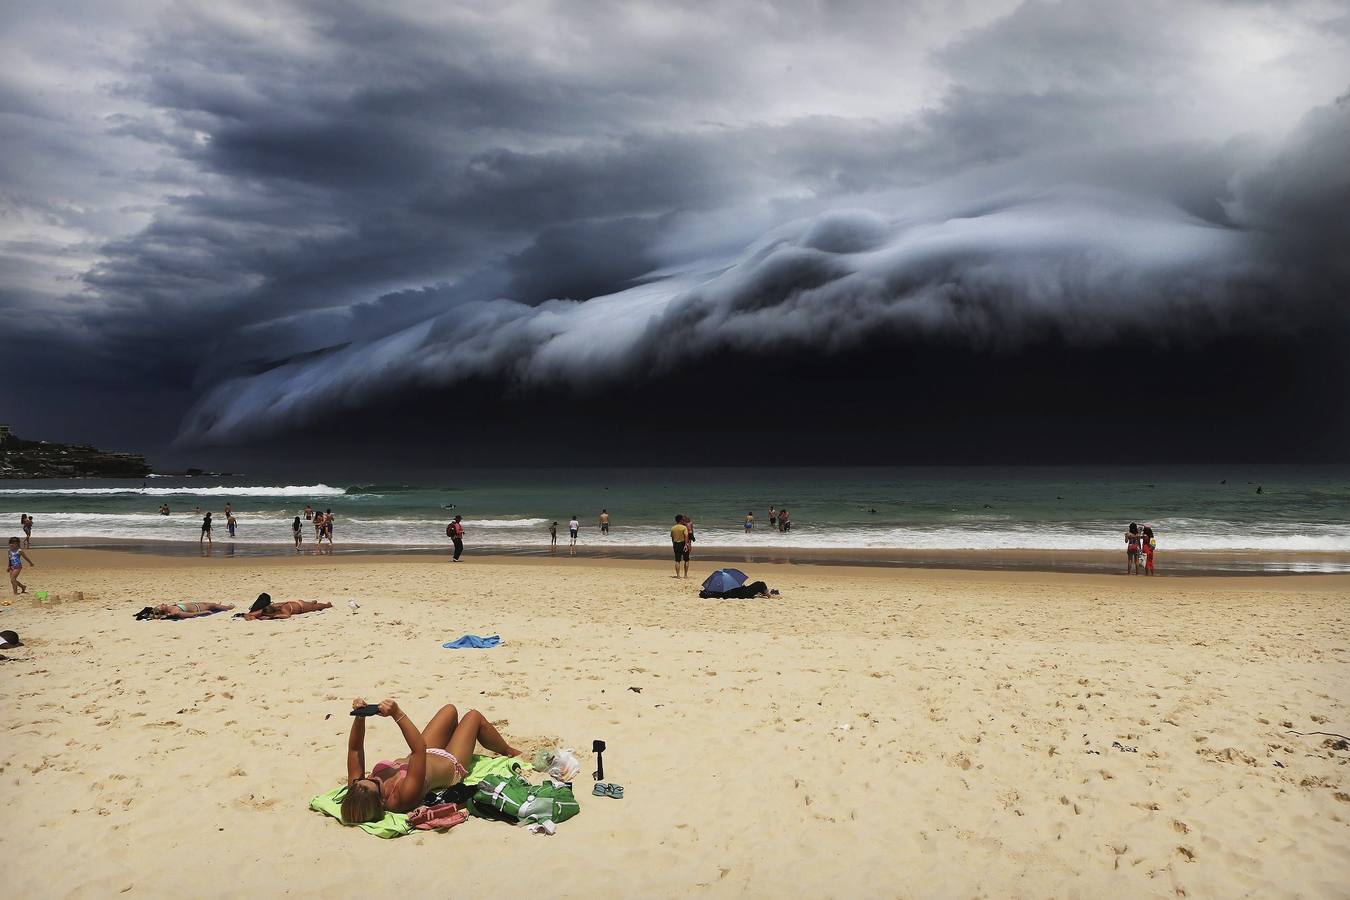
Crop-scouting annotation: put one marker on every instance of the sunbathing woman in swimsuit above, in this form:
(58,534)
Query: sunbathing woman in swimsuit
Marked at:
(264,608)
(433,760)
(182,610)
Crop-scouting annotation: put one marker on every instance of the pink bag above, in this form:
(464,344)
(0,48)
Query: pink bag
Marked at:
(440,816)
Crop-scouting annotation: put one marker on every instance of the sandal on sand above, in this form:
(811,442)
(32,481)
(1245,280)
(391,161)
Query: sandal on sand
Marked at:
(600,790)
(616,791)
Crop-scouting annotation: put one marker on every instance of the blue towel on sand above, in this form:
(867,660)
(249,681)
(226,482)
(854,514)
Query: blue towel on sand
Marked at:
(473,642)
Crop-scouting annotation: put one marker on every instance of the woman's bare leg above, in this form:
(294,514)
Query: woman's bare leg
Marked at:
(442,725)
(472,730)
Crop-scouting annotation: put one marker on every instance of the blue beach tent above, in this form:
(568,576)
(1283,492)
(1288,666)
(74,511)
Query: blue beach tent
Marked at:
(724,580)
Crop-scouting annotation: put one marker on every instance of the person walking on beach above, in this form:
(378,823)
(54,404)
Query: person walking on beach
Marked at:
(26,522)
(553,537)
(328,526)
(679,539)
(206,529)
(1146,547)
(749,522)
(296,533)
(14,566)
(230,523)
(573,527)
(604,521)
(1132,541)
(456,531)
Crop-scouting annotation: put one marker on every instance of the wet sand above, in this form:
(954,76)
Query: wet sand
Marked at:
(1172,563)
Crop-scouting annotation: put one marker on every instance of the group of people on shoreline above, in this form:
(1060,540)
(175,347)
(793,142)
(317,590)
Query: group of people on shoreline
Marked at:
(1139,546)
(574,531)
(322,522)
(231,524)
(779,520)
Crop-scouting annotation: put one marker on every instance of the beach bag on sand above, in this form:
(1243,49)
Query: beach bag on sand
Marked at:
(515,798)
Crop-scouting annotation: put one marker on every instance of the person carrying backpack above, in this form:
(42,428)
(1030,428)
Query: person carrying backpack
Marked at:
(455,532)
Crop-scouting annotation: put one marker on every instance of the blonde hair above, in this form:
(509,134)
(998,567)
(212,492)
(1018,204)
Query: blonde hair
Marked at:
(361,804)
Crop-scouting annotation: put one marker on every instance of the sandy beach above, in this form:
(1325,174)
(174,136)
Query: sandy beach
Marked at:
(871,732)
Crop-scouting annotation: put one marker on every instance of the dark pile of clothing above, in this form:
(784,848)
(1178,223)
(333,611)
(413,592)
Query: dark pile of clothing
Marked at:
(747,591)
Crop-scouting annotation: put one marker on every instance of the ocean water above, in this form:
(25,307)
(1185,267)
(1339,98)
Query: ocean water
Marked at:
(1300,509)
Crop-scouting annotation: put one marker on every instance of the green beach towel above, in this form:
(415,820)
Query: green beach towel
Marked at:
(391,826)
(484,766)
(396,824)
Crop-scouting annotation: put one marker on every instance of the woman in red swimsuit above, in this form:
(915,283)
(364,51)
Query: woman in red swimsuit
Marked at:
(433,760)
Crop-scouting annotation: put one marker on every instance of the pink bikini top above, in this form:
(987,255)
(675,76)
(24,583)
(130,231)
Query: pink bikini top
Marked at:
(391,784)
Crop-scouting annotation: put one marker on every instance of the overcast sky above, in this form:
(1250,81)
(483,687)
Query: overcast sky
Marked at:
(226,225)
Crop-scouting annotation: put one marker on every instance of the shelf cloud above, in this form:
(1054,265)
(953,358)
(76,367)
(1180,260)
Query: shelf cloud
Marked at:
(269,220)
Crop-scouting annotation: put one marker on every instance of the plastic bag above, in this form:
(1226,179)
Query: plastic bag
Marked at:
(561,764)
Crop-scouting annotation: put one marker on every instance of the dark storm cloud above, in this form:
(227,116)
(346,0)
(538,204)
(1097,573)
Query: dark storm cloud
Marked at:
(306,211)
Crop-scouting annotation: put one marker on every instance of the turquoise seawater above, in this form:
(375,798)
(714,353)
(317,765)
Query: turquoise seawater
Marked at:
(1298,508)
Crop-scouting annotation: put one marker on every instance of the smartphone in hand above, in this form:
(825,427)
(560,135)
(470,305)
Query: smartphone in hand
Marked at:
(370,709)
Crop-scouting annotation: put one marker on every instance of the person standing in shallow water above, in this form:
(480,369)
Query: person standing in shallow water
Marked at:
(604,521)
(573,526)
(553,537)
(26,521)
(1132,542)
(296,533)
(206,529)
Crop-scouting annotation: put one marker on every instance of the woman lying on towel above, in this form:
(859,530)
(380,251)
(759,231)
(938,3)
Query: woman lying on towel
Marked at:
(435,760)
(264,608)
(182,610)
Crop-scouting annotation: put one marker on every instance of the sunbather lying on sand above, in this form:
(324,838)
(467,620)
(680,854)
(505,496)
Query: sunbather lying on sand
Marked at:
(436,759)
(264,608)
(182,610)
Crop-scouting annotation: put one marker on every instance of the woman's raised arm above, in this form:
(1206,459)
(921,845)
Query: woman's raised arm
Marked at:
(413,786)
(356,745)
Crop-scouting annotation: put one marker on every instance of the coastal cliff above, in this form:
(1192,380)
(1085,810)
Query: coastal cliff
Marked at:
(44,459)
